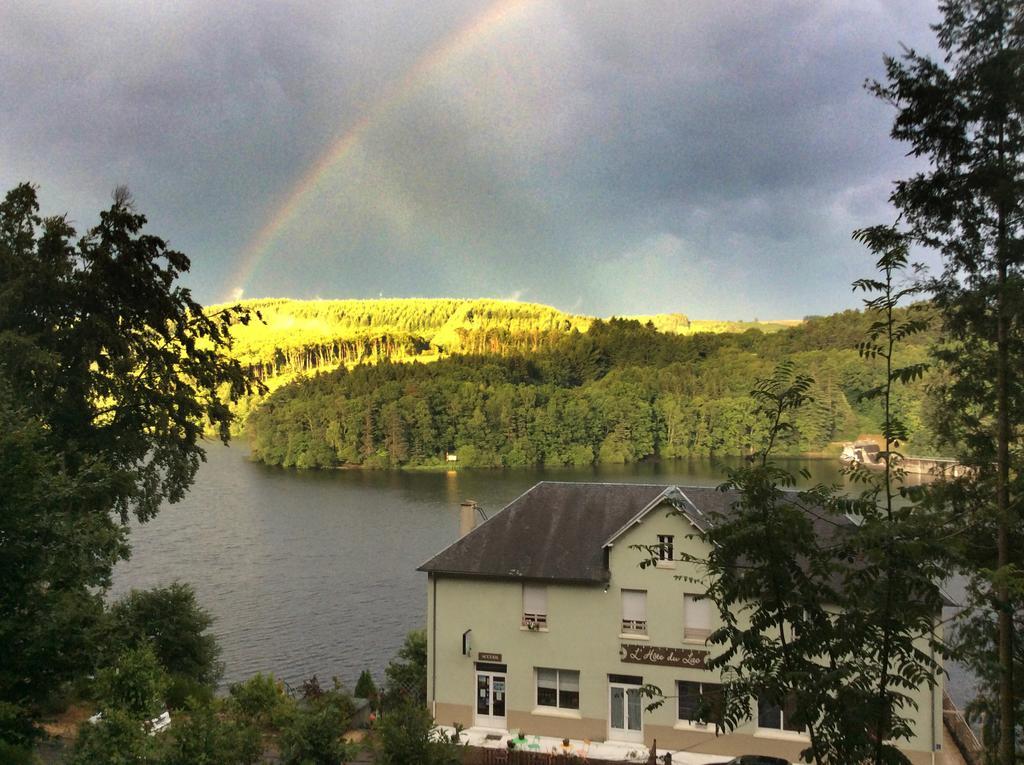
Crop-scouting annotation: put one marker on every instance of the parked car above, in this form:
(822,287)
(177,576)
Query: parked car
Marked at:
(757,759)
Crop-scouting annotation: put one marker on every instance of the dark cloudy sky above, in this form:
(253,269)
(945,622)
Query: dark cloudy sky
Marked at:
(704,156)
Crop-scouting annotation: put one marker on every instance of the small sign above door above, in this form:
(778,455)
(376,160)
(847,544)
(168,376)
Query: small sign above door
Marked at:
(485,656)
(664,657)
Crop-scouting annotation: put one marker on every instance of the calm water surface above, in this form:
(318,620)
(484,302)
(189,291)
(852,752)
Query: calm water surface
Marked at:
(315,572)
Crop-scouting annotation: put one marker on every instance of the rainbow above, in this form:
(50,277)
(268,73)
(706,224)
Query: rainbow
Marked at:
(460,43)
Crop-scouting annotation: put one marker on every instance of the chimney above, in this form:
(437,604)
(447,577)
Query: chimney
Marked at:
(467,517)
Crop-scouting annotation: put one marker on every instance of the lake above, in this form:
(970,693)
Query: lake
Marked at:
(315,572)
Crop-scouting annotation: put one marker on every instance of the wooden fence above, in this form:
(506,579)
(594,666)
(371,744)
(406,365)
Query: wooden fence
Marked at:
(481,756)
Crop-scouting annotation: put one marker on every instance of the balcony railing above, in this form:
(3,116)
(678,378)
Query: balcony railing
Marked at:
(639,626)
(535,621)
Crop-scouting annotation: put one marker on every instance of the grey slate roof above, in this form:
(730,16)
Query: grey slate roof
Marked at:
(558,531)
(553,531)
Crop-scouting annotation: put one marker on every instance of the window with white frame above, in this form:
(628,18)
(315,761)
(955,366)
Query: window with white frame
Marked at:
(699,699)
(666,551)
(634,611)
(535,606)
(558,688)
(696,618)
(774,717)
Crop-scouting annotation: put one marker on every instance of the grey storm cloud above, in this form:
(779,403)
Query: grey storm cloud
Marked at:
(704,157)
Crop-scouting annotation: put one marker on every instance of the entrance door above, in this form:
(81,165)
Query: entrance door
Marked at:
(490,700)
(625,713)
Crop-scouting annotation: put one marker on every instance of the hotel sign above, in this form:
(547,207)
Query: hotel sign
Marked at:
(663,657)
(485,656)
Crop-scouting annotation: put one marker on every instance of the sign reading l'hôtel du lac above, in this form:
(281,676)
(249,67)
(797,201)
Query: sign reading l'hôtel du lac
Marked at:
(665,657)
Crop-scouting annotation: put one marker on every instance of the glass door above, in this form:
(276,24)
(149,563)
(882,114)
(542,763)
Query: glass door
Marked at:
(490,700)
(625,713)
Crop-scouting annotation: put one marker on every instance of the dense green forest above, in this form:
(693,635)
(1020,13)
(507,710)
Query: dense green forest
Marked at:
(302,336)
(614,391)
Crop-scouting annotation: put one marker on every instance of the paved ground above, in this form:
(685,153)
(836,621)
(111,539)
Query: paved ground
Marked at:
(595,750)
(495,739)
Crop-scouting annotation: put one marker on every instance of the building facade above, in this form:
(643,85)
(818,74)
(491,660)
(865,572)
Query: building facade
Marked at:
(541,620)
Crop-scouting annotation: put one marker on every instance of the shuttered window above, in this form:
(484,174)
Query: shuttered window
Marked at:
(634,611)
(696,618)
(535,606)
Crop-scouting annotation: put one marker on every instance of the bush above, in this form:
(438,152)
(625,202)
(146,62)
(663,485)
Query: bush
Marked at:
(117,739)
(260,700)
(406,675)
(11,754)
(174,624)
(405,737)
(201,737)
(16,728)
(366,688)
(182,689)
(313,736)
(135,685)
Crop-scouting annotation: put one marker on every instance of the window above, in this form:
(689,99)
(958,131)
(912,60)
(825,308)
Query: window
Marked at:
(699,699)
(558,688)
(772,716)
(696,618)
(665,551)
(634,611)
(535,606)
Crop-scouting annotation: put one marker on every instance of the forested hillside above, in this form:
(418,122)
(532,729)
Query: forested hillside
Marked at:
(302,336)
(619,391)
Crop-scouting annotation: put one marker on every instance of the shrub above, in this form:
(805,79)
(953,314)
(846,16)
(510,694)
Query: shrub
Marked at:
(11,754)
(260,700)
(406,675)
(117,739)
(201,737)
(405,736)
(365,687)
(182,689)
(313,735)
(135,685)
(174,624)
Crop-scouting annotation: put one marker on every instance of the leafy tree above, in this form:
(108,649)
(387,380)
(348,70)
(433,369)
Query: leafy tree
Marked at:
(770,574)
(406,735)
(44,636)
(117,739)
(891,599)
(965,115)
(406,675)
(831,620)
(260,700)
(313,735)
(109,371)
(134,685)
(203,737)
(171,621)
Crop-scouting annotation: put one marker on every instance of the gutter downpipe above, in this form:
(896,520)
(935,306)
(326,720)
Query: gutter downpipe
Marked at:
(433,652)
(931,651)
